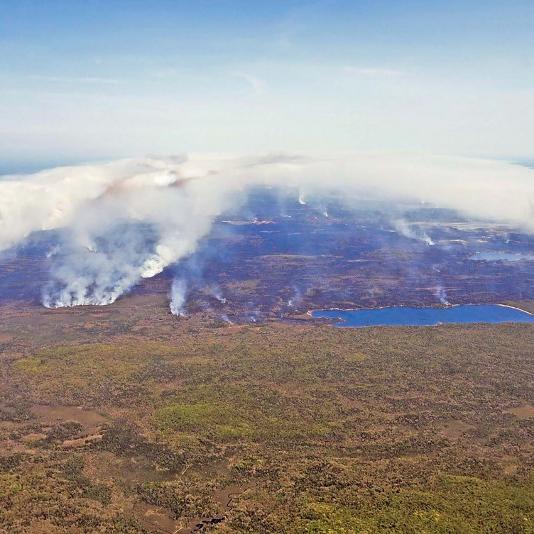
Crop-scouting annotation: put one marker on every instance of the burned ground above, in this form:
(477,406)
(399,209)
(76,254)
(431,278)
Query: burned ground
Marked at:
(274,258)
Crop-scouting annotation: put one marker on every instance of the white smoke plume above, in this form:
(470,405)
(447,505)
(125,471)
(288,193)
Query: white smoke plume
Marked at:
(405,229)
(295,298)
(121,221)
(441,294)
(178,297)
(226,319)
(129,219)
(217,294)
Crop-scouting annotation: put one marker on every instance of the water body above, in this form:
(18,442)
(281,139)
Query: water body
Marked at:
(406,316)
(501,256)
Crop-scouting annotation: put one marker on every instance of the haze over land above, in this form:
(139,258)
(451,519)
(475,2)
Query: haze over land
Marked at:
(131,219)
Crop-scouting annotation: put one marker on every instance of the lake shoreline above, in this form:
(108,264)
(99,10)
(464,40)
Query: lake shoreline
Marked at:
(412,316)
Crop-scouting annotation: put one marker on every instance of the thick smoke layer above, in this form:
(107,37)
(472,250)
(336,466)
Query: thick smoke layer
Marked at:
(130,219)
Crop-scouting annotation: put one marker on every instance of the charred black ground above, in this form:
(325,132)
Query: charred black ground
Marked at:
(275,256)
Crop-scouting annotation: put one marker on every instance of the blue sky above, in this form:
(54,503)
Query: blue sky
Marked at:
(86,79)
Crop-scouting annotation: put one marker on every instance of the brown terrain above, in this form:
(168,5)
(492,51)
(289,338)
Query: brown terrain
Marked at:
(127,419)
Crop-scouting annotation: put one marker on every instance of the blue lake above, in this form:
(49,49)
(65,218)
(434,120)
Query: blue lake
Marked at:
(406,316)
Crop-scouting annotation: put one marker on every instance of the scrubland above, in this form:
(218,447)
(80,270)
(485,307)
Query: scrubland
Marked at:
(125,419)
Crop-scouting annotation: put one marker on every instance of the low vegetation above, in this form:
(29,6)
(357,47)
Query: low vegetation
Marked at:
(267,429)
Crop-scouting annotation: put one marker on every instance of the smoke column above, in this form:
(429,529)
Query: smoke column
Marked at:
(405,229)
(178,296)
(126,220)
(441,294)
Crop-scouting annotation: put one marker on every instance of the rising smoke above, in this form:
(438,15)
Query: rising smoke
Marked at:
(410,231)
(130,219)
(441,294)
(178,297)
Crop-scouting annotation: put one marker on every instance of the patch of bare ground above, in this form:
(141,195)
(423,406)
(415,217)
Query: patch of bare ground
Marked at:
(525,411)
(455,429)
(156,519)
(53,414)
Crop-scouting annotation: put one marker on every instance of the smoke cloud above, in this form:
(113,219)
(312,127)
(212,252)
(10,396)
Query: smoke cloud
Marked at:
(178,296)
(441,294)
(407,230)
(130,219)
